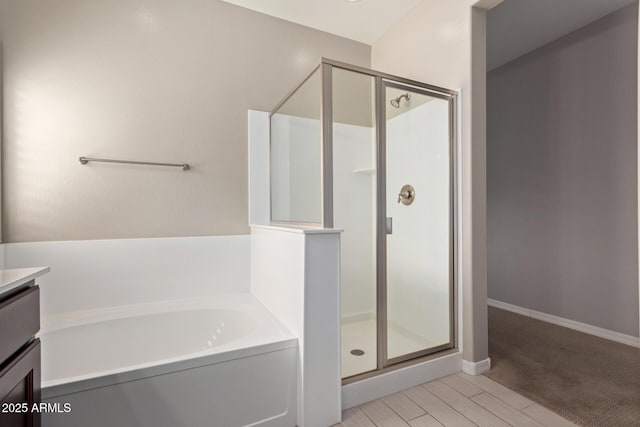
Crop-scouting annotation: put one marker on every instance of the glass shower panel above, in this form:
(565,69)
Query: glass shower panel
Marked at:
(419,208)
(296,142)
(354,202)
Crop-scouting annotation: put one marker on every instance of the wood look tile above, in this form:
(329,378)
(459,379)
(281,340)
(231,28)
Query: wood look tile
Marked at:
(459,400)
(501,392)
(382,415)
(425,421)
(466,407)
(504,411)
(354,417)
(435,407)
(404,406)
(461,385)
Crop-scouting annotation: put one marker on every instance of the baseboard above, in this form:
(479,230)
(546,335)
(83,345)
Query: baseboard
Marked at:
(476,368)
(568,323)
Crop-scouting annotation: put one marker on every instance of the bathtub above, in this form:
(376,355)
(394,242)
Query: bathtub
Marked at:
(220,362)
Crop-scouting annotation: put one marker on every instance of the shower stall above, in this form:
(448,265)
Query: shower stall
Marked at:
(374,155)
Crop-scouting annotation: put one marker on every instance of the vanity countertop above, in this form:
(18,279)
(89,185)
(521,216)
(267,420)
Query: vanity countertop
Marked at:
(14,277)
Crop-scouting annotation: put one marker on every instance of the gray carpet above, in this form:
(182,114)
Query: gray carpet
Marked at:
(588,380)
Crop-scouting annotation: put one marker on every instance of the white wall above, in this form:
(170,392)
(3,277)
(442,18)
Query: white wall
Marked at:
(418,289)
(154,80)
(92,274)
(438,44)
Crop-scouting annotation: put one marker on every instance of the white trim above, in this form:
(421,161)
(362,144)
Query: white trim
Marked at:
(568,323)
(476,368)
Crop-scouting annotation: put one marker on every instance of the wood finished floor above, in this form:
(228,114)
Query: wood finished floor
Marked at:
(459,400)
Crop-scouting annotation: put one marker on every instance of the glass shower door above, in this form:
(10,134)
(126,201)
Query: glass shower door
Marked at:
(418,245)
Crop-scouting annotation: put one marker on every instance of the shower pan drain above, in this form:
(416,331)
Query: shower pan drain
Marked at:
(357,352)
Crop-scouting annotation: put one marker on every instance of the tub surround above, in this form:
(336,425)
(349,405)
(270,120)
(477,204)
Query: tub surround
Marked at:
(95,274)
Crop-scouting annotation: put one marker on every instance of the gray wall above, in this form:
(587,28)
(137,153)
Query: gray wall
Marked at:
(154,80)
(561,180)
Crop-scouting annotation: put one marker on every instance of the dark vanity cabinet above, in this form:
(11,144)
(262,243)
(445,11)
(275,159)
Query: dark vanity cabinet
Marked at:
(20,356)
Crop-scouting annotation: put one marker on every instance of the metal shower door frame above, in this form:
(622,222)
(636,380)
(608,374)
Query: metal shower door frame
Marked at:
(382,81)
(382,262)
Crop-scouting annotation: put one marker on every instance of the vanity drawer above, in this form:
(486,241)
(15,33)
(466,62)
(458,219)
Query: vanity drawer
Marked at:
(19,320)
(19,385)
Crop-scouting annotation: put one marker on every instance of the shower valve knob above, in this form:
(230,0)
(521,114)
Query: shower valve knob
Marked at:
(407,195)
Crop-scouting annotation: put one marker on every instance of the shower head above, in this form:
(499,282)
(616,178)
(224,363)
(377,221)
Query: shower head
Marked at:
(395,103)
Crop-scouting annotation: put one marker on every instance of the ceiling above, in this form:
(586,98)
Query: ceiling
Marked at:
(517,27)
(365,20)
(514,28)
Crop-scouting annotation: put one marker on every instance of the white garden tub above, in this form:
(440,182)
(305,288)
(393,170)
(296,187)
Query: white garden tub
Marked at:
(220,362)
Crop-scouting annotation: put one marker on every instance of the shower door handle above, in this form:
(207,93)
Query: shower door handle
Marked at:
(389,225)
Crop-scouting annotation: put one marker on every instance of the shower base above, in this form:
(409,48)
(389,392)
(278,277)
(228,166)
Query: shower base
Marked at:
(359,333)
